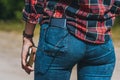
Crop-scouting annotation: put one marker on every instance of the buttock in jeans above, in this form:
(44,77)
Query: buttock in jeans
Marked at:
(58,51)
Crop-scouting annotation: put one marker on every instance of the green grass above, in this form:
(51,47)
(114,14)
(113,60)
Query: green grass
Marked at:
(14,26)
(10,26)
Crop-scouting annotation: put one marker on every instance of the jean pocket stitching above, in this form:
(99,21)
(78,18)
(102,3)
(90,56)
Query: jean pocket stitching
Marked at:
(58,50)
(65,33)
(107,46)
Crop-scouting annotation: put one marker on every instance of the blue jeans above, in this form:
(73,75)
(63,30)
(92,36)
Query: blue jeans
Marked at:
(58,51)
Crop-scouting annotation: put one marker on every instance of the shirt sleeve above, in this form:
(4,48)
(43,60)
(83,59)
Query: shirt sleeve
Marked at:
(115,9)
(32,11)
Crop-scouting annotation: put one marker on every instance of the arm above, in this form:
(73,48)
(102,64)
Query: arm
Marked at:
(32,11)
(31,14)
(27,42)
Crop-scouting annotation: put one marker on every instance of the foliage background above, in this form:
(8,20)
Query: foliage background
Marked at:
(11,9)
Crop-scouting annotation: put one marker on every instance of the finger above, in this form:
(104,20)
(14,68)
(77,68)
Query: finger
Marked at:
(34,51)
(23,59)
(23,62)
(24,55)
(28,69)
(34,57)
(25,67)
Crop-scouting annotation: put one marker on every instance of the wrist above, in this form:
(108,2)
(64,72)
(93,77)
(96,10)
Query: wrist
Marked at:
(27,40)
(29,36)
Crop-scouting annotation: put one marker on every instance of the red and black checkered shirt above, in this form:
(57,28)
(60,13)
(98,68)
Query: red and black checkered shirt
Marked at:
(90,20)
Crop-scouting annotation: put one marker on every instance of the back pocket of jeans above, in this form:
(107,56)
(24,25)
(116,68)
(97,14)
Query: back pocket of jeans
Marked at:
(55,36)
(108,46)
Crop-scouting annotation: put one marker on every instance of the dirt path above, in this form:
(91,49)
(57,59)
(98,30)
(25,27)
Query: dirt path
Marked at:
(10,68)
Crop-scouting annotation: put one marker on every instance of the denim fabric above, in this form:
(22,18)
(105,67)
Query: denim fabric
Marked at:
(58,51)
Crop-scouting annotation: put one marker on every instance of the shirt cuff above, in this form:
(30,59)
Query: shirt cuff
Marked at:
(31,17)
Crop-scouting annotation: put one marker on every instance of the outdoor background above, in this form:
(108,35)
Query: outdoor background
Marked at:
(11,27)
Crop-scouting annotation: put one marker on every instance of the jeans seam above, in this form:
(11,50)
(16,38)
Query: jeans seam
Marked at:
(100,56)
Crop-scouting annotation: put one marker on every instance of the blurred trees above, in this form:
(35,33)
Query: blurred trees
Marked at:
(11,9)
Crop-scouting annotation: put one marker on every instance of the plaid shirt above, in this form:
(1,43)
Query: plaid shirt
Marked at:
(89,20)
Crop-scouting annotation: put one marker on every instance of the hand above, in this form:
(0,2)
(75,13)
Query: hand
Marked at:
(26,44)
